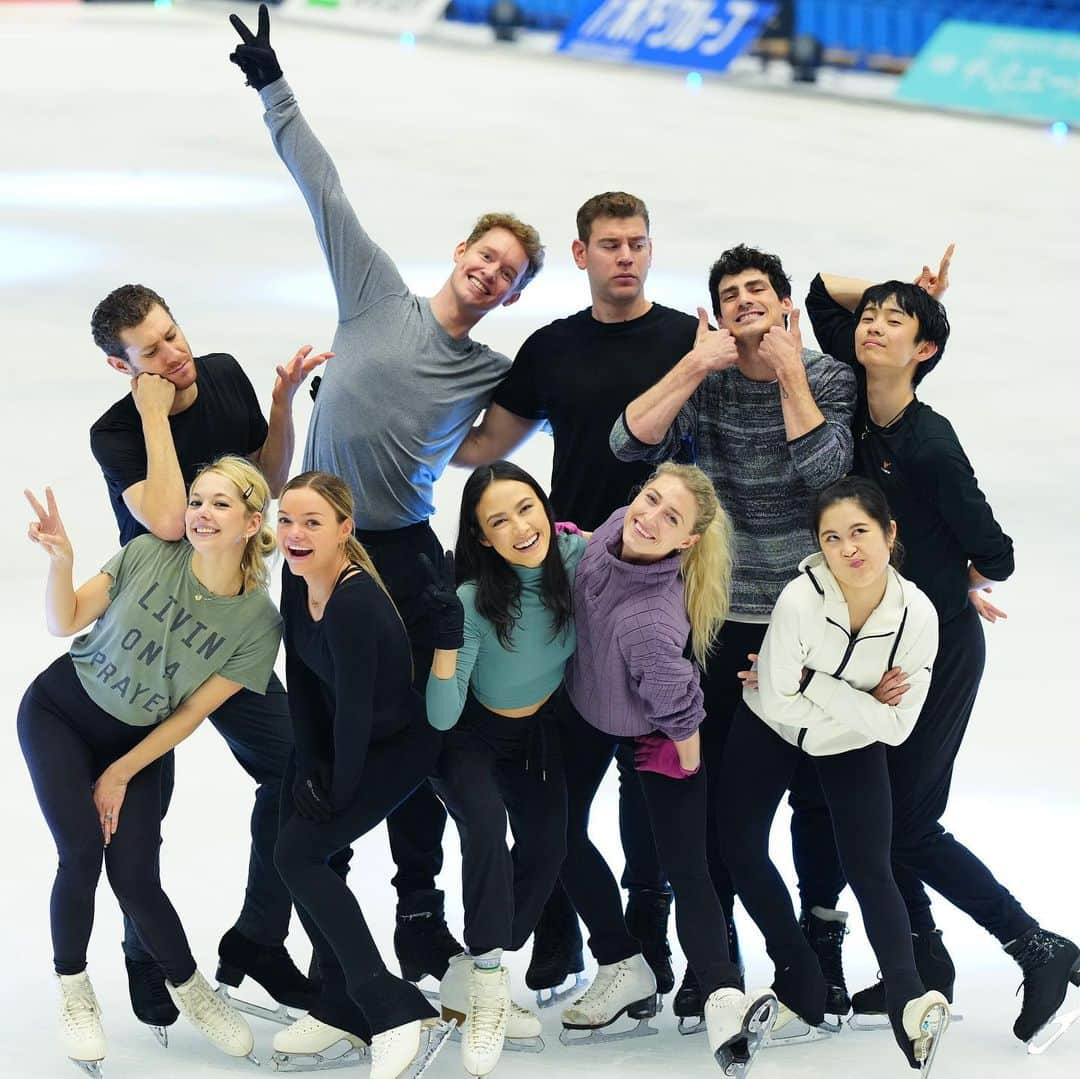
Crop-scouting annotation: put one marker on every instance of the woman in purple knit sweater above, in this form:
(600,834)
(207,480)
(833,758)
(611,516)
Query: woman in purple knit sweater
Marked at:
(650,595)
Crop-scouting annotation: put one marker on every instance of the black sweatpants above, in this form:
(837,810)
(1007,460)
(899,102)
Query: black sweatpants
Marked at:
(677,813)
(68,741)
(416,827)
(358,993)
(920,772)
(759,766)
(493,768)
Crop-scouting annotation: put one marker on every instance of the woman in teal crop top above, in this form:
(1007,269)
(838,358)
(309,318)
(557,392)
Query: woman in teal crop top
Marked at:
(501,642)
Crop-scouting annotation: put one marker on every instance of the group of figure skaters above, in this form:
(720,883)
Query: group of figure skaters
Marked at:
(711,595)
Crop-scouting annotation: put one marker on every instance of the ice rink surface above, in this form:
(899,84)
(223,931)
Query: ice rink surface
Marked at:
(133,152)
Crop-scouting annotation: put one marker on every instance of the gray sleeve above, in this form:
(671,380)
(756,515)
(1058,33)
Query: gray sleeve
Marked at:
(361,271)
(628,447)
(824,454)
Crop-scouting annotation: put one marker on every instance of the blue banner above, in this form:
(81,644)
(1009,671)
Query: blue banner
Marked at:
(699,34)
(998,69)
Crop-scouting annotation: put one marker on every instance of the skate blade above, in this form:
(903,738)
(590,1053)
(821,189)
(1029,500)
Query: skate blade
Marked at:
(88,1067)
(342,1054)
(881,1022)
(796,1031)
(161,1033)
(567,988)
(434,1034)
(1053,1030)
(935,1022)
(575,1036)
(689,1024)
(279,1014)
(737,1056)
(510,1045)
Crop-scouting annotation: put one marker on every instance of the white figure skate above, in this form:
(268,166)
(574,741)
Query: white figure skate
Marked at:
(213,1018)
(624,988)
(80,1023)
(312,1045)
(737,1024)
(523,1028)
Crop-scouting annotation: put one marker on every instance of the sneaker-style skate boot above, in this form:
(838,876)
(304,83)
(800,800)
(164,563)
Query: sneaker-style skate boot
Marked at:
(81,1031)
(647,914)
(405,1052)
(312,1045)
(523,1028)
(825,931)
(801,992)
(624,988)
(422,942)
(150,1000)
(557,952)
(919,1027)
(271,967)
(689,1005)
(936,971)
(1049,963)
(484,1032)
(221,1025)
(738,1023)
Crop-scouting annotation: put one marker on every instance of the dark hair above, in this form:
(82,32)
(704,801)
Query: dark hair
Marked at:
(123,308)
(609,204)
(871,500)
(498,587)
(918,304)
(739,259)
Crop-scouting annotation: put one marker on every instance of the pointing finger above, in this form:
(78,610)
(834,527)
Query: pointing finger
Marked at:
(37,507)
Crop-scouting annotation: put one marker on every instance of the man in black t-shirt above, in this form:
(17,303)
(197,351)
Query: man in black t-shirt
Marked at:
(577,373)
(183,411)
(893,334)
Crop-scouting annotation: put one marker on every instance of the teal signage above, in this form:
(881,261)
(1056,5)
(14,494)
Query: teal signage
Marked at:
(998,69)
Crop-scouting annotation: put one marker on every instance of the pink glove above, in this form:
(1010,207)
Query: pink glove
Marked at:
(567,526)
(657,753)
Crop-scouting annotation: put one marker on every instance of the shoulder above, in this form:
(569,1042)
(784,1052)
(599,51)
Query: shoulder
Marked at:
(571,548)
(822,366)
(221,366)
(802,596)
(260,612)
(679,320)
(121,416)
(936,441)
(552,335)
(920,607)
(355,606)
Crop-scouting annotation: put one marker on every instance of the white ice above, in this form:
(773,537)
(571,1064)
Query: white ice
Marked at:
(133,152)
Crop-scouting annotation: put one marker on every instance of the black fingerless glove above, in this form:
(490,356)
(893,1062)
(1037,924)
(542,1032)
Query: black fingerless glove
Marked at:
(443,606)
(254,56)
(311,795)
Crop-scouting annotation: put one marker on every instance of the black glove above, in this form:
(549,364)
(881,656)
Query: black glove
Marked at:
(441,600)
(311,794)
(255,57)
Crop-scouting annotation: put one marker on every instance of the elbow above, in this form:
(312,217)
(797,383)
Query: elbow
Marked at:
(167,527)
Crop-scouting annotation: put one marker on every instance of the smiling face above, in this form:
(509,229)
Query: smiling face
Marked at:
(885,337)
(617,258)
(309,534)
(157,346)
(748,306)
(856,548)
(488,272)
(216,518)
(513,523)
(659,521)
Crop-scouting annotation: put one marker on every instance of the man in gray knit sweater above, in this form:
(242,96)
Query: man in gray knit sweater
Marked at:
(770,423)
(403,390)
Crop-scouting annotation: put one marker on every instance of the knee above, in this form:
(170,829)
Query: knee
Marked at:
(292,856)
(870,875)
(133,883)
(81,867)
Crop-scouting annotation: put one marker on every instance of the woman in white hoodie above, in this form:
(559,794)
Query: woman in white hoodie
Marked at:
(843,672)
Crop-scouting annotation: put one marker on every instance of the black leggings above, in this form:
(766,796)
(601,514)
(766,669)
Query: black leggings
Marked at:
(677,812)
(68,741)
(358,993)
(491,768)
(758,768)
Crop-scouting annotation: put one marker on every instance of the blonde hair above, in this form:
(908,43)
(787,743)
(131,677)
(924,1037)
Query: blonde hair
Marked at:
(334,490)
(525,235)
(706,566)
(255,494)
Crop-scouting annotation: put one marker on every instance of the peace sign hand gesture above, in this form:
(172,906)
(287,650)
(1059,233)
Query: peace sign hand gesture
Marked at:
(48,530)
(937,284)
(255,57)
(441,599)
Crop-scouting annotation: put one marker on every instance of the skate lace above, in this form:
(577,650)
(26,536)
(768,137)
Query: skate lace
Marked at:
(832,966)
(489,1010)
(202,1005)
(81,1011)
(603,985)
(1038,950)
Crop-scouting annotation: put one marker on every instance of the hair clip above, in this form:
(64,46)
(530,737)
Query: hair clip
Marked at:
(247,493)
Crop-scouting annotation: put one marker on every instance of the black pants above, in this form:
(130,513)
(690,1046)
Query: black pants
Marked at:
(358,993)
(920,772)
(758,769)
(68,741)
(416,827)
(492,768)
(677,812)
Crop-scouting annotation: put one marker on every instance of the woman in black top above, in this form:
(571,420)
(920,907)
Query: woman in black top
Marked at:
(363,744)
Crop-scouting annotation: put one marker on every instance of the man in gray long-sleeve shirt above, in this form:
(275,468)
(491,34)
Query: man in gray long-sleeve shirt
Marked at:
(403,390)
(770,423)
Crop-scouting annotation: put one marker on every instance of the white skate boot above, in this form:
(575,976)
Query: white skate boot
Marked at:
(223,1026)
(405,1052)
(484,1031)
(523,1028)
(925,1020)
(312,1045)
(624,988)
(80,1023)
(737,1023)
